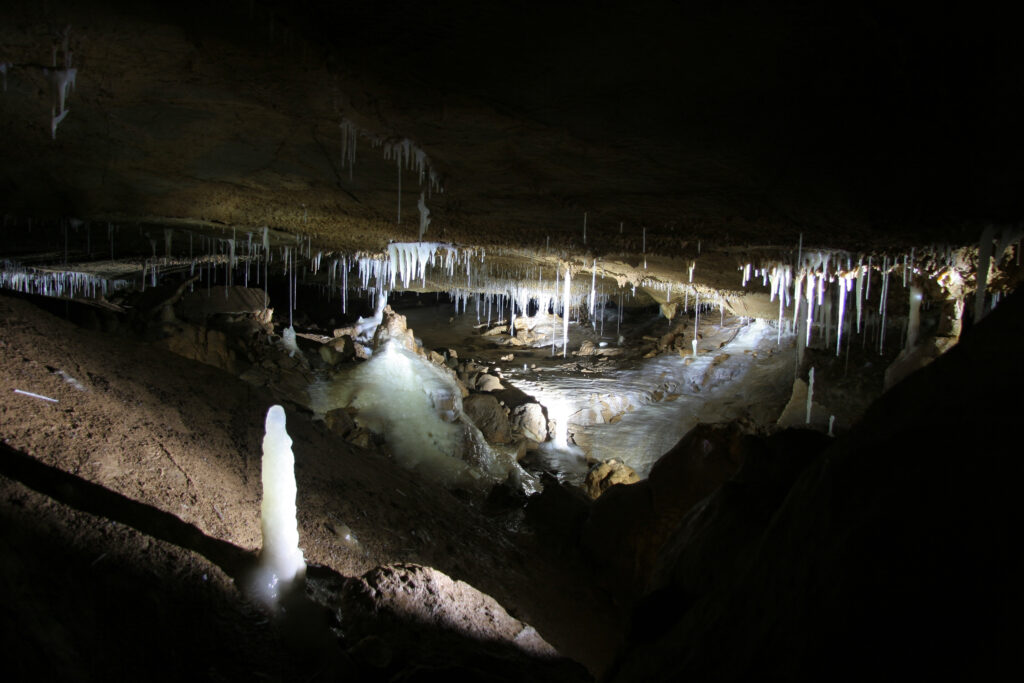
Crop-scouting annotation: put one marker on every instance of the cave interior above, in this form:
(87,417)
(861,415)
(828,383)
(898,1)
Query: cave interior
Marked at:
(620,342)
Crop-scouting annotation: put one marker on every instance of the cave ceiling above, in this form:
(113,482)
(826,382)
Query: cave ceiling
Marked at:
(857,126)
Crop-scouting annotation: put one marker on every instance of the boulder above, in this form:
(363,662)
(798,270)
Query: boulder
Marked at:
(345,347)
(202,344)
(488,416)
(530,420)
(607,474)
(487,383)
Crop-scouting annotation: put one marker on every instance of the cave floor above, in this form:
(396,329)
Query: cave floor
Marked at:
(183,438)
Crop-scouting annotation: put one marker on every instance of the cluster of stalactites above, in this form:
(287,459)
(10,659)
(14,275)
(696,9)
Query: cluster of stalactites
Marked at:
(807,286)
(407,154)
(404,152)
(63,283)
(406,262)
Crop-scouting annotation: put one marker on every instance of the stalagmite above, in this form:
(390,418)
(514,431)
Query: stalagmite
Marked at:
(281,560)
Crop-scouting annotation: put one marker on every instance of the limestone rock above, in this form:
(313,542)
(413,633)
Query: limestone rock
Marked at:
(211,347)
(393,327)
(339,350)
(608,474)
(488,416)
(486,382)
(529,419)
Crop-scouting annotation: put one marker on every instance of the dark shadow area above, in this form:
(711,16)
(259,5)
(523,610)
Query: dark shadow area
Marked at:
(97,500)
(94,600)
(892,556)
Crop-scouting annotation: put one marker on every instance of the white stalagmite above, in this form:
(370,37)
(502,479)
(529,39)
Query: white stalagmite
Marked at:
(810,393)
(281,561)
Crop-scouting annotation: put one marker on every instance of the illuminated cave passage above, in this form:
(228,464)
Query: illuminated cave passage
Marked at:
(630,363)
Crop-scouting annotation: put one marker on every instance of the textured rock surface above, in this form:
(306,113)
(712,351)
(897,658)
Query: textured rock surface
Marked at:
(489,417)
(607,474)
(529,419)
(233,119)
